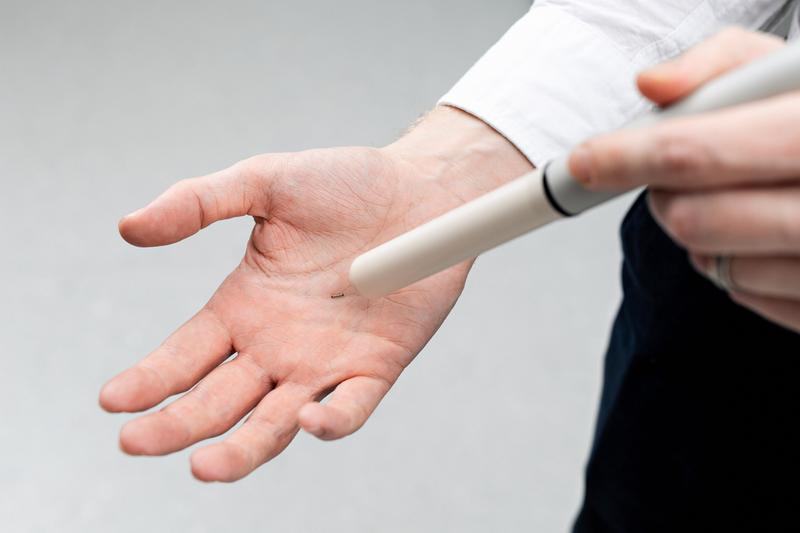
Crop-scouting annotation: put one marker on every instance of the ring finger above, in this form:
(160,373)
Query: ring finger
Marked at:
(739,222)
(777,277)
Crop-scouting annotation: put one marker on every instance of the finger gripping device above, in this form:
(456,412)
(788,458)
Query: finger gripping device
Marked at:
(546,194)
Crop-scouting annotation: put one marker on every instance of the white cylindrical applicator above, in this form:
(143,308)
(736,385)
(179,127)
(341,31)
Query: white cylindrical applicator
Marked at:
(496,217)
(545,195)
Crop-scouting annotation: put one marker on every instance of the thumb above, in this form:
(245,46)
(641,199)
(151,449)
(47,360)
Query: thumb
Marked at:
(192,204)
(725,51)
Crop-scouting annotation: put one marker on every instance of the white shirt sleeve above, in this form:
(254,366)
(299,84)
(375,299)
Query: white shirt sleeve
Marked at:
(566,70)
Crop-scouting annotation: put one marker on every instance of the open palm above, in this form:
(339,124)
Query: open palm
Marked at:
(314,212)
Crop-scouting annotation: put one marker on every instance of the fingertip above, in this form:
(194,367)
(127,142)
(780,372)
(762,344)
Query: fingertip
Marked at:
(130,391)
(221,462)
(738,297)
(602,163)
(133,214)
(675,79)
(580,164)
(133,439)
(109,397)
(658,201)
(700,263)
(155,434)
(126,228)
(139,229)
(663,84)
(325,421)
(119,393)
(166,220)
(311,418)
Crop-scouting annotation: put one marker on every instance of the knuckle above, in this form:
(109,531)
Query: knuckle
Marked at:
(730,39)
(679,156)
(743,44)
(356,416)
(263,167)
(792,107)
(172,358)
(731,34)
(254,169)
(609,158)
(192,191)
(252,163)
(746,273)
(249,170)
(186,186)
(255,180)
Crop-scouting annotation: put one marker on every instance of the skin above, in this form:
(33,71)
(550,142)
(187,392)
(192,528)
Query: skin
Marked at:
(314,212)
(724,183)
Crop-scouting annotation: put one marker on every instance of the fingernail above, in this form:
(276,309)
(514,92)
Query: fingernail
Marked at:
(580,163)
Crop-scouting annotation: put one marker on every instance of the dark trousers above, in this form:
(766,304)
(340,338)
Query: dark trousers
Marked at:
(699,420)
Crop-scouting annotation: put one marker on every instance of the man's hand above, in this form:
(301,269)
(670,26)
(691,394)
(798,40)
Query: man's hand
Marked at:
(722,184)
(314,212)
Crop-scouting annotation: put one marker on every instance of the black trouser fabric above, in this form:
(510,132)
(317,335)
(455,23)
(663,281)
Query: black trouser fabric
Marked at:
(699,421)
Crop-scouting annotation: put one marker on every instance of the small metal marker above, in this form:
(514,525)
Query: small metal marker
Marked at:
(337,295)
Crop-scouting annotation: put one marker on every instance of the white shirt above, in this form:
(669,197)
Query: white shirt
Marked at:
(566,70)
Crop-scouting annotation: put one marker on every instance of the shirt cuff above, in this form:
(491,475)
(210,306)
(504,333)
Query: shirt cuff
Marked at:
(549,83)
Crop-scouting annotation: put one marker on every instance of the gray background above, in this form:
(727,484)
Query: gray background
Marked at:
(104,104)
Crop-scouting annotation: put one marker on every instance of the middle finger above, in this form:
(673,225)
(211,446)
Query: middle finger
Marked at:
(734,221)
(219,401)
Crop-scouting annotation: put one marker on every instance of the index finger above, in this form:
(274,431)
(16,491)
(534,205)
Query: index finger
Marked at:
(750,144)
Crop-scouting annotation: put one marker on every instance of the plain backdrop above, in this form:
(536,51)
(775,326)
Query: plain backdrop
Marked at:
(103,104)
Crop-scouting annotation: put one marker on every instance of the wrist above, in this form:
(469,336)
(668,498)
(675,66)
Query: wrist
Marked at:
(463,153)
